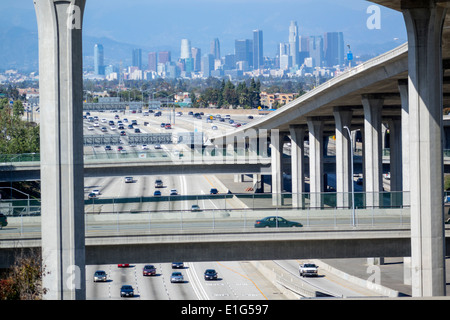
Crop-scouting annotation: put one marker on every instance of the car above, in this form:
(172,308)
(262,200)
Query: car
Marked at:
(157,193)
(100,275)
(157,146)
(250,117)
(159,184)
(168,126)
(126,291)
(123,265)
(177,265)
(308,270)
(130,126)
(173,192)
(176,277)
(149,270)
(3,220)
(128,179)
(119,148)
(210,274)
(137,130)
(92,195)
(96,191)
(163,125)
(123,133)
(108,148)
(195,207)
(276,222)
(90,128)
(213,191)
(144,147)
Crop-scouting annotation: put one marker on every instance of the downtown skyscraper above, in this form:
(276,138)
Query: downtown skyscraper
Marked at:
(99,65)
(258,52)
(294,43)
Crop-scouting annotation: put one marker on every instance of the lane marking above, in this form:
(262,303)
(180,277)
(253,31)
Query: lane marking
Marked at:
(245,278)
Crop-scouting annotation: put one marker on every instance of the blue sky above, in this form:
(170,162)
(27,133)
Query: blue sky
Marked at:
(162,24)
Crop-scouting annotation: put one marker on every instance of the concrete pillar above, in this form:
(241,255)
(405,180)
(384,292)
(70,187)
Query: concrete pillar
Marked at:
(276,150)
(395,145)
(297,164)
(316,185)
(373,168)
(424,22)
(344,180)
(62,169)
(403,89)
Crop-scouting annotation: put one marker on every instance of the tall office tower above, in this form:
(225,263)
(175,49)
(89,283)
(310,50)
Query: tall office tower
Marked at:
(152,61)
(316,50)
(197,56)
(333,49)
(258,54)
(185,49)
(137,58)
(284,59)
(99,65)
(243,50)
(229,62)
(215,48)
(294,43)
(164,57)
(207,65)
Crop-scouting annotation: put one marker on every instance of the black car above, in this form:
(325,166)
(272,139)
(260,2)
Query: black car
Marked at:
(127,291)
(210,274)
(177,265)
(3,221)
(213,191)
(276,222)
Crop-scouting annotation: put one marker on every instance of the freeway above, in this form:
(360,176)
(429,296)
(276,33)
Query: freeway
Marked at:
(236,281)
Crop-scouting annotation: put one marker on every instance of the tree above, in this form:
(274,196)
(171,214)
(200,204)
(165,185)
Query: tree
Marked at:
(24,281)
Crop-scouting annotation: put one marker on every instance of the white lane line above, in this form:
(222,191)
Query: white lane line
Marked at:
(196,283)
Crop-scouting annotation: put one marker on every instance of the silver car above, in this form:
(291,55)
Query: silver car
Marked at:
(100,275)
(176,277)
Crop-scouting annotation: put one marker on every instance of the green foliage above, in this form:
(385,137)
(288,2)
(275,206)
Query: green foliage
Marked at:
(24,281)
(17,136)
(229,95)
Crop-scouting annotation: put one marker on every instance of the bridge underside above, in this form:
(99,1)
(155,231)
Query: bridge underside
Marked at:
(234,246)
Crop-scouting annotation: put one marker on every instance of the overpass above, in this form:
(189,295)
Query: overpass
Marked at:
(409,80)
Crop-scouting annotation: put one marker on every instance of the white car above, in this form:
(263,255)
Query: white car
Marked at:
(144,147)
(308,270)
(128,179)
(96,191)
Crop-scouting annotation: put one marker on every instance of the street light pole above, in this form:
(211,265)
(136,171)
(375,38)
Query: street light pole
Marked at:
(353,186)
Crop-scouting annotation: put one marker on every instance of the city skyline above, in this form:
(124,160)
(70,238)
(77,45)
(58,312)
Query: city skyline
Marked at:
(153,26)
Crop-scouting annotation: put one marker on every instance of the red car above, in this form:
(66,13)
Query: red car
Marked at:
(149,270)
(123,265)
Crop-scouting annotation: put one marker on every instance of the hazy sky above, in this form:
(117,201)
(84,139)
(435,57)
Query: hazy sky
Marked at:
(159,24)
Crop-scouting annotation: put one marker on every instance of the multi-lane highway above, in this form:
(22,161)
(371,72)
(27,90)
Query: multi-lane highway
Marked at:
(236,280)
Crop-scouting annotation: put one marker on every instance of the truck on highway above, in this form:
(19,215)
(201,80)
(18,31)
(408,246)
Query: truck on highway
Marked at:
(308,270)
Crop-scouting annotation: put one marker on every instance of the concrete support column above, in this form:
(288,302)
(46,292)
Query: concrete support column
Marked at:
(403,89)
(344,180)
(373,168)
(297,164)
(395,145)
(424,22)
(62,169)
(276,149)
(316,185)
